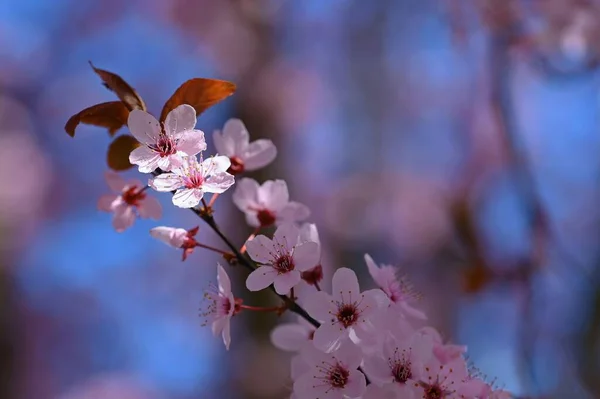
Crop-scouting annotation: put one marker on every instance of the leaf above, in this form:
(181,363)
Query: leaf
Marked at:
(200,93)
(119,150)
(111,115)
(116,84)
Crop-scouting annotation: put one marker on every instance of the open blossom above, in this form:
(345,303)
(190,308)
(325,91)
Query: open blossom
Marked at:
(282,259)
(192,179)
(333,375)
(177,238)
(293,337)
(346,311)
(234,142)
(220,306)
(164,148)
(268,203)
(398,290)
(131,200)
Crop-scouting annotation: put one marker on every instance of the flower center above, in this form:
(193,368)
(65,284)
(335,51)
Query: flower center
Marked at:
(314,275)
(132,196)
(237,166)
(338,376)
(402,372)
(284,264)
(347,314)
(164,146)
(433,392)
(193,180)
(265,217)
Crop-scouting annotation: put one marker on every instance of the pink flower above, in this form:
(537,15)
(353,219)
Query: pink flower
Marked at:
(333,375)
(283,259)
(442,380)
(177,238)
(220,306)
(164,148)
(267,204)
(192,179)
(234,142)
(398,290)
(401,363)
(130,201)
(347,310)
(293,337)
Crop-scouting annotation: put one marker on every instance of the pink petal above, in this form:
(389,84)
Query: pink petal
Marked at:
(345,284)
(293,212)
(306,255)
(105,203)
(151,208)
(357,385)
(252,219)
(274,194)
(218,183)
(298,367)
(180,119)
(411,311)
(329,337)
(259,154)
(191,142)
(290,336)
(165,162)
(373,270)
(218,325)
(235,130)
(166,182)
(305,387)
(169,235)
(143,126)
(215,165)
(350,355)
(246,194)
(286,237)
(378,370)
(227,333)
(320,305)
(309,232)
(123,218)
(114,181)
(224,145)
(223,280)
(145,158)
(187,197)
(261,278)
(285,281)
(260,249)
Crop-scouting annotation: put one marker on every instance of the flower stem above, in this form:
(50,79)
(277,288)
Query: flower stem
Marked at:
(217,250)
(212,200)
(261,309)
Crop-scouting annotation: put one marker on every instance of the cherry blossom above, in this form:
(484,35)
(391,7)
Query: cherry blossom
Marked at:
(177,238)
(130,200)
(192,179)
(293,337)
(347,310)
(282,259)
(267,204)
(333,375)
(220,306)
(234,142)
(398,290)
(164,147)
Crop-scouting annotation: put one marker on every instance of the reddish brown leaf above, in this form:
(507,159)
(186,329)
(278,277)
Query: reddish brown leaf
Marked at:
(199,93)
(119,150)
(111,115)
(116,84)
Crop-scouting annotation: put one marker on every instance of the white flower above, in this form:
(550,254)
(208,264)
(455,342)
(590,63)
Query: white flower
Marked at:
(192,179)
(220,306)
(283,259)
(164,148)
(234,142)
(267,204)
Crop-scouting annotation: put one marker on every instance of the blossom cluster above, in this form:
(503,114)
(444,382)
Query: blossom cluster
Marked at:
(349,343)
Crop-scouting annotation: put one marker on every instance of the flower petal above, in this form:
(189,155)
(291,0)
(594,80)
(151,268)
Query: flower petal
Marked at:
(260,249)
(329,337)
(298,367)
(320,305)
(143,126)
(345,284)
(274,194)
(187,197)
(286,237)
(105,203)
(169,235)
(223,144)
(261,278)
(290,336)
(235,130)
(144,158)
(218,183)
(293,212)
(191,142)
(223,280)
(285,281)
(378,370)
(356,385)
(306,255)
(123,218)
(180,119)
(150,207)
(227,333)
(215,165)
(115,181)
(245,195)
(259,154)
(166,182)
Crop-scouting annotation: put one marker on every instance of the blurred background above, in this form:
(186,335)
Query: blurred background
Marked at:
(457,139)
